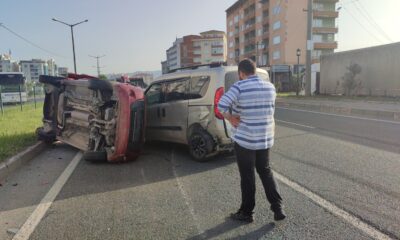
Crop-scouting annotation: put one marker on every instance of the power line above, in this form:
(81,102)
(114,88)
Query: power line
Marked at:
(371,20)
(30,42)
(366,29)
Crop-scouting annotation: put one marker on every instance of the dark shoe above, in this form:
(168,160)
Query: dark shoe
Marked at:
(240,216)
(279,215)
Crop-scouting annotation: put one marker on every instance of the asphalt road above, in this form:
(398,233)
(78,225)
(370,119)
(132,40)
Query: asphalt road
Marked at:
(350,163)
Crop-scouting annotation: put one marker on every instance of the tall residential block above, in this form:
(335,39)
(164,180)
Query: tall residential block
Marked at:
(271,31)
(32,69)
(7,64)
(190,50)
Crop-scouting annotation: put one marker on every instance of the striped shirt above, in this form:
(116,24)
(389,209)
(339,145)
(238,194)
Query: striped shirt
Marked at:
(253,99)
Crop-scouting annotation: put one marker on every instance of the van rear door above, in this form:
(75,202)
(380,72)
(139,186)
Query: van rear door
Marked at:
(230,79)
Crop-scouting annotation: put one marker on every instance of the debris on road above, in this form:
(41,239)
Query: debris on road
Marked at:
(15,184)
(12,231)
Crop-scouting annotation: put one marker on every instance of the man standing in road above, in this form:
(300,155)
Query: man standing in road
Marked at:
(249,106)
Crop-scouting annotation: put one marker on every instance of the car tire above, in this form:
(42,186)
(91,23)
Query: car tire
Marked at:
(91,156)
(201,145)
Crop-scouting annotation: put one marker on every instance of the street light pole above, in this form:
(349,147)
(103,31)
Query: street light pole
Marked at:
(72,35)
(257,54)
(309,46)
(298,53)
(73,47)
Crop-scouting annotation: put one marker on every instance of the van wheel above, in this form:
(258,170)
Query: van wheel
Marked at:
(200,145)
(95,156)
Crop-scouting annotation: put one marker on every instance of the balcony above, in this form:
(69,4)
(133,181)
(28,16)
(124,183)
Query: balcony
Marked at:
(250,15)
(325,14)
(325,30)
(325,45)
(249,28)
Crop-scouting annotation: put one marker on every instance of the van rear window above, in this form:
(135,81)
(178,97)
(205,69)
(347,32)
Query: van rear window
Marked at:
(198,87)
(230,79)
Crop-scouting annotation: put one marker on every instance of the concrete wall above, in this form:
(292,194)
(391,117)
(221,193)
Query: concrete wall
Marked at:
(380,74)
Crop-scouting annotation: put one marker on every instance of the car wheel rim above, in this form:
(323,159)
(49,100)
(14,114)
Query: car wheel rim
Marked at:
(198,147)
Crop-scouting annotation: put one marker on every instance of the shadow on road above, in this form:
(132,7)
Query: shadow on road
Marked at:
(256,234)
(154,165)
(229,225)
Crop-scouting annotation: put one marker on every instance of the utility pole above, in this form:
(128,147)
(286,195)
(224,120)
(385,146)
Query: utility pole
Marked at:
(98,63)
(309,46)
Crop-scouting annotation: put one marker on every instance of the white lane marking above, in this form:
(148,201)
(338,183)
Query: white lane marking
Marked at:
(33,221)
(188,201)
(337,115)
(335,210)
(292,123)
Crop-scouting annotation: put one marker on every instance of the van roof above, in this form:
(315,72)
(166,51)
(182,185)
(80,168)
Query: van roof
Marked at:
(204,69)
(197,70)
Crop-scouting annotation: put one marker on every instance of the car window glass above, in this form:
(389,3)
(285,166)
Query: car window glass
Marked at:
(230,79)
(198,87)
(154,94)
(176,90)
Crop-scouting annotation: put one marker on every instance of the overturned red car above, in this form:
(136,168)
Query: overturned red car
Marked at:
(104,119)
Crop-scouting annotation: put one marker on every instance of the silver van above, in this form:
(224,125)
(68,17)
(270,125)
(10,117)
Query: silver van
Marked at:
(182,108)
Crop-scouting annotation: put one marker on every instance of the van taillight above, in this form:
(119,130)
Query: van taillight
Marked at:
(218,95)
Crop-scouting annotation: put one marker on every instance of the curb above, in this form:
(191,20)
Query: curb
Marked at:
(13,163)
(378,114)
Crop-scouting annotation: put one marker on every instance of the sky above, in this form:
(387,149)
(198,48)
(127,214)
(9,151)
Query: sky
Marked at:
(134,34)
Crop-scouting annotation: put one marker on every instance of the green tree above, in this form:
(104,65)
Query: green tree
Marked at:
(350,83)
(102,77)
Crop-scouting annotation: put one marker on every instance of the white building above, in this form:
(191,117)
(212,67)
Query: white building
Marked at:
(52,67)
(62,71)
(7,65)
(32,69)
(174,55)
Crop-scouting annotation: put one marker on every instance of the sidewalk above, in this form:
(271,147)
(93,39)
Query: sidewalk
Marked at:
(365,108)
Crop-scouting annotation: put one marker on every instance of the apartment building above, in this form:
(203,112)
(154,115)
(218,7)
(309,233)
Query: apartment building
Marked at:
(62,71)
(174,55)
(52,67)
(32,69)
(271,31)
(210,47)
(7,64)
(190,50)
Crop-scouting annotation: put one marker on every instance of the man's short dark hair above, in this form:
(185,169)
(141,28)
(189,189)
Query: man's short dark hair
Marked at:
(247,66)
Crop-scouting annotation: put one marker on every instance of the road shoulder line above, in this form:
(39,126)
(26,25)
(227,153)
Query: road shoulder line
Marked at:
(338,115)
(335,210)
(33,221)
(296,124)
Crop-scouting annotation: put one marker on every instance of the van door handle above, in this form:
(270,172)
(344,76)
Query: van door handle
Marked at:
(163,112)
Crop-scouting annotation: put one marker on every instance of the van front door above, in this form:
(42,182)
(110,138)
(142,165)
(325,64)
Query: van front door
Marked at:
(175,110)
(155,100)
